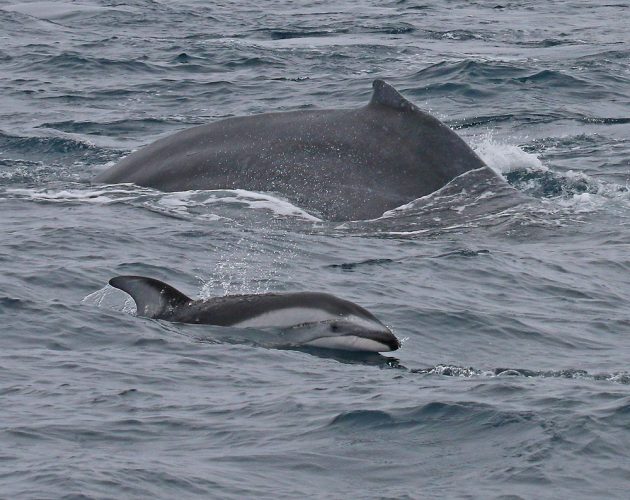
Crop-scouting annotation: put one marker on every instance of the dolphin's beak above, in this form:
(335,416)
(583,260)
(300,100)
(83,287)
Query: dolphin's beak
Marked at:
(385,337)
(377,333)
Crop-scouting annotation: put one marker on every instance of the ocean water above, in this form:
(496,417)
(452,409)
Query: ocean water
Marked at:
(512,302)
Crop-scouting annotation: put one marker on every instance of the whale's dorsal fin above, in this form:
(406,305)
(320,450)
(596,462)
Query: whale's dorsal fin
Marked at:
(153,298)
(386,95)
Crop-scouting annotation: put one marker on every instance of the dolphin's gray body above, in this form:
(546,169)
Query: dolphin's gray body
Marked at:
(306,318)
(345,164)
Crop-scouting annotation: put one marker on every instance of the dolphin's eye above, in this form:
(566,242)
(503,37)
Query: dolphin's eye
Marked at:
(334,327)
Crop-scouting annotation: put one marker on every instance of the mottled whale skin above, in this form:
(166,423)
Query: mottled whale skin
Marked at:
(306,318)
(343,164)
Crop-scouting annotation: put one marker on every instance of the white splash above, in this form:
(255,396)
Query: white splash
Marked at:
(109,297)
(255,200)
(96,196)
(503,158)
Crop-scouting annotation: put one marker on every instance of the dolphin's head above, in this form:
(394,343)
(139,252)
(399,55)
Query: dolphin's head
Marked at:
(348,334)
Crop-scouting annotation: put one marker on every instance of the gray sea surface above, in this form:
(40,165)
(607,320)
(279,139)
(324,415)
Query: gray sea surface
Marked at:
(513,380)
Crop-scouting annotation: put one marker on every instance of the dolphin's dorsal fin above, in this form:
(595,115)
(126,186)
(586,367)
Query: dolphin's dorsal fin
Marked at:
(153,298)
(386,95)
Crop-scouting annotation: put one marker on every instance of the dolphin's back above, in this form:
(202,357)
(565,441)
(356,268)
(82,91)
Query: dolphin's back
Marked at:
(340,164)
(158,300)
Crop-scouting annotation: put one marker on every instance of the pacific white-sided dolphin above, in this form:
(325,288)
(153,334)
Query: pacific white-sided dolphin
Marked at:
(344,164)
(306,318)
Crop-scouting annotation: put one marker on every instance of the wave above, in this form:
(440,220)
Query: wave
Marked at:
(57,11)
(446,370)
(482,78)
(457,34)
(466,414)
(128,126)
(532,118)
(83,64)
(398,28)
(21,158)
(43,145)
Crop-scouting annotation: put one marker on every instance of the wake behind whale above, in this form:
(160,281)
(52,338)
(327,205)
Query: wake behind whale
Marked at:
(347,164)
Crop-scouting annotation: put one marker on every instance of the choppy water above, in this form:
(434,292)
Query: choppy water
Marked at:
(513,378)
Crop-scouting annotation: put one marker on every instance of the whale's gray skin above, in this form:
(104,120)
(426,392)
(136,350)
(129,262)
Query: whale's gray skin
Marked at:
(306,318)
(345,164)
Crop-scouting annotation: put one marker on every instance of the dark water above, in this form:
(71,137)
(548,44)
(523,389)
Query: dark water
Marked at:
(513,380)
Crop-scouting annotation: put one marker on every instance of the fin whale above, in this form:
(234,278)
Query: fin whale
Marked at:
(339,164)
(307,319)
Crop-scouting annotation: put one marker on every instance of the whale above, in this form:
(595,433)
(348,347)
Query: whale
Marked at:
(337,164)
(305,319)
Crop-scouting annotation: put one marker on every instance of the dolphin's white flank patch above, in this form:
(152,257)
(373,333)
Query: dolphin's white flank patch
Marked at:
(349,343)
(288,316)
(293,316)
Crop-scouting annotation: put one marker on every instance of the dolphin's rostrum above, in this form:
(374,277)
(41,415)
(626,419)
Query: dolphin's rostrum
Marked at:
(306,318)
(340,164)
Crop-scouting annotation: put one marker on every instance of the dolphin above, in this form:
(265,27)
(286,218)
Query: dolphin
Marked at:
(307,319)
(338,164)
